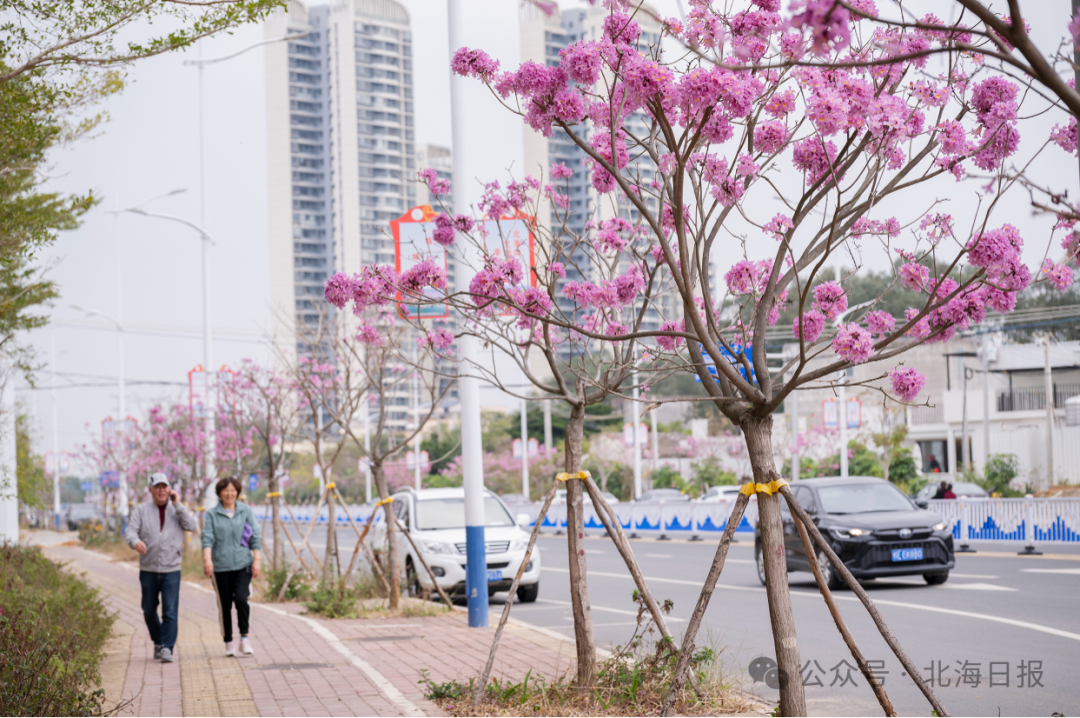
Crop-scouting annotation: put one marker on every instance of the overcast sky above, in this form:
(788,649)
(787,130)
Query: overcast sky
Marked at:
(150,147)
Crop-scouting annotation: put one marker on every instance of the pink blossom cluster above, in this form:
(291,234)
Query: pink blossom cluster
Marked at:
(437,339)
(809,326)
(998,252)
(1059,275)
(863,226)
(830,299)
(435,185)
(914,276)
(609,239)
(907,382)
(779,225)
(853,343)
(607,294)
(880,322)
(748,277)
(667,342)
(994,100)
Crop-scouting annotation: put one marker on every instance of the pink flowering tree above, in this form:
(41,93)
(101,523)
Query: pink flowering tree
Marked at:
(575,339)
(267,406)
(362,369)
(783,143)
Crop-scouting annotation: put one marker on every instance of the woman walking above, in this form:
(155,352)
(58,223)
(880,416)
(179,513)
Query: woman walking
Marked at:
(231,542)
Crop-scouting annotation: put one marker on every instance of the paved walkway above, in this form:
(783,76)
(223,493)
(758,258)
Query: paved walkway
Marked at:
(302,665)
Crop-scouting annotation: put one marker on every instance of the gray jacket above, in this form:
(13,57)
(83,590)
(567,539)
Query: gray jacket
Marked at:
(163,544)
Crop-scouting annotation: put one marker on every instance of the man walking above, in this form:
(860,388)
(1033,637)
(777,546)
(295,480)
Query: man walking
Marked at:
(156,530)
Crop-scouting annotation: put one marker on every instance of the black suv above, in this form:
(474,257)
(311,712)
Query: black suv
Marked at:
(872,526)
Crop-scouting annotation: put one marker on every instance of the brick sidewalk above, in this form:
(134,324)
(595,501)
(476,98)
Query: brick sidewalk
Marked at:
(302,665)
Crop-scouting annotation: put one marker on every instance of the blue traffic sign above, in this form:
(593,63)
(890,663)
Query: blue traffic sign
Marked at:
(253,482)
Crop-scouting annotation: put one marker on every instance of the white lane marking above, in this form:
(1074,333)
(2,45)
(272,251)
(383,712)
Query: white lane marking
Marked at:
(969,586)
(658,555)
(971,575)
(978,587)
(391,691)
(881,602)
(603,608)
(1067,571)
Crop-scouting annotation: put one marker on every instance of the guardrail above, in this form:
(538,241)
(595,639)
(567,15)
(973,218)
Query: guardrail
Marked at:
(1027,520)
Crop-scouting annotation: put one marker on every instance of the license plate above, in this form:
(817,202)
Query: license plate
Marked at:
(907,554)
(496,575)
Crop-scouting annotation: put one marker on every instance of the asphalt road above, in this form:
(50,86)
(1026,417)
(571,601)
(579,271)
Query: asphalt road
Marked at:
(1001,637)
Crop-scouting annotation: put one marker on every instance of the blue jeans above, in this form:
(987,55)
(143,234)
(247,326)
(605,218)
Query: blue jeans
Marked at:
(163,630)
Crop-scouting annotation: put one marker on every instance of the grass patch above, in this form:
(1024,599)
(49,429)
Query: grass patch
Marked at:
(272,579)
(53,628)
(633,681)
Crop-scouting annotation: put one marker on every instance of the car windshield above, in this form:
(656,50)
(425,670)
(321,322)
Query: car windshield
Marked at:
(449,513)
(862,498)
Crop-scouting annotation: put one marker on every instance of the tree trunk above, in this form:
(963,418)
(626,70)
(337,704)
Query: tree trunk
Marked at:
(575,533)
(392,568)
(275,517)
(758,432)
(331,533)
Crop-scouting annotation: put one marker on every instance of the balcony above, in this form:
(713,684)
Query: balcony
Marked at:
(928,414)
(1033,398)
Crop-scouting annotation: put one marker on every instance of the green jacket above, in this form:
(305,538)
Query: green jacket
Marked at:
(222,535)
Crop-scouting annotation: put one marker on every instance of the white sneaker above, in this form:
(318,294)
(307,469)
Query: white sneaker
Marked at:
(230,648)
(245,646)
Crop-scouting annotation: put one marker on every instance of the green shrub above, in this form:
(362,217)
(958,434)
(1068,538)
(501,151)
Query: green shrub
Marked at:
(331,601)
(53,627)
(902,469)
(299,587)
(1000,470)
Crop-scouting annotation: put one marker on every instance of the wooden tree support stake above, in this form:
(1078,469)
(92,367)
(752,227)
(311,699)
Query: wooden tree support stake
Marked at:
(875,685)
(482,683)
(858,590)
(682,668)
(304,544)
(367,550)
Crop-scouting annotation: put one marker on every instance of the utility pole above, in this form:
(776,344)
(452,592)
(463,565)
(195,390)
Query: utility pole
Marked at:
(525,448)
(122,504)
(547,426)
(9,497)
(841,410)
(472,456)
(1049,415)
(635,442)
(985,361)
(55,435)
(367,448)
(416,420)
(965,459)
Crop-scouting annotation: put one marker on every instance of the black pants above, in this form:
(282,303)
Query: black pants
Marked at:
(233,587)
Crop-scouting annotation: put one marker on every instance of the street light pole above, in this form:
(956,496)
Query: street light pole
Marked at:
(525,448)
(468,386)
(56,437)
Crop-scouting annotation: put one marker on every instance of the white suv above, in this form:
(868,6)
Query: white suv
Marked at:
(435,518)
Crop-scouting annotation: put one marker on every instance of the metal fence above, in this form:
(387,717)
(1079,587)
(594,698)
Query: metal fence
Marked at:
(1029,520)
(1033,398)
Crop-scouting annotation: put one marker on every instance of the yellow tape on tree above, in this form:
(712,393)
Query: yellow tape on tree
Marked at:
(773,487)
(387,500)
(272,494)
(579,475)
(331,485)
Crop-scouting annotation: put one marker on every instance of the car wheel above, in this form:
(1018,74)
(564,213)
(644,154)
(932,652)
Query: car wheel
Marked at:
(528,594)
(832,577)
(760,561)
(412,581)
(935,579)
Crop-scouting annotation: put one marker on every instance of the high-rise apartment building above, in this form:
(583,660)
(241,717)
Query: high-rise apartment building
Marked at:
(341,155)
(341,144)
(543,36)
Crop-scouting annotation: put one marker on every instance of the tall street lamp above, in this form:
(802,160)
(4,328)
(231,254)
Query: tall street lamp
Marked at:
(121,476)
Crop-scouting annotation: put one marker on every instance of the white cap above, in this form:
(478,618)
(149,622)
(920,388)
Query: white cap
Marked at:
(159,478)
